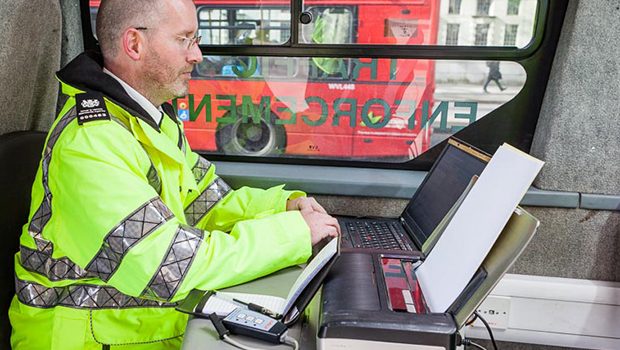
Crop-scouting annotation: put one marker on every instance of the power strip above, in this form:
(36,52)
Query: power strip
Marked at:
(553,311)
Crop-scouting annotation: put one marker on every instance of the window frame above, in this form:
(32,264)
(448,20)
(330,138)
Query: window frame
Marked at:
(294,48)
(513,34)
(448,33)
(511,9)
(513,122)
(350,8)
(482,30)
(456,7)
(232,18)
(483,11)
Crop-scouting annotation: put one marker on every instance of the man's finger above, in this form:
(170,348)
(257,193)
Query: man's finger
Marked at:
(332,221)
(316,206)
(333,232)
(328,231)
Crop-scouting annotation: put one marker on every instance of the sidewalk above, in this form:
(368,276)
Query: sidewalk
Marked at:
(474,92)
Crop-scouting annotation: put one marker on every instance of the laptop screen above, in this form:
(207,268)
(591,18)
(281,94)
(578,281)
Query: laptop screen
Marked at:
(444,183)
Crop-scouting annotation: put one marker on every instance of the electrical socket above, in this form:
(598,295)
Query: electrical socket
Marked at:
(495,310)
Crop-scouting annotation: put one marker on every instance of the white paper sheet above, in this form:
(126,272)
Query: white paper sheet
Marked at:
(471,233)
(222,302)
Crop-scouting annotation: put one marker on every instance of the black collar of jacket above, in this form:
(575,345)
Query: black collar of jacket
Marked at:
(85,72)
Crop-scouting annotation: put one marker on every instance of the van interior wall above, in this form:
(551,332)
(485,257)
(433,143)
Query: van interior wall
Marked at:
(30,33)
(577,136)
(72,43)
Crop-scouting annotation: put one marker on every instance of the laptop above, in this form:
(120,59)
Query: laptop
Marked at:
(443,186)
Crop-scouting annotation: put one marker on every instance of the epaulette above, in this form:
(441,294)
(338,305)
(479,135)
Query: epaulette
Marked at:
(90,106)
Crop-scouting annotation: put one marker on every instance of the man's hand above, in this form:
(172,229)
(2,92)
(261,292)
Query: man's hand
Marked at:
(305,203)
(321,225)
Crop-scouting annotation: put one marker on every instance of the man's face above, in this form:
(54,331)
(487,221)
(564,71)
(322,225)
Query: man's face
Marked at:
(169,57)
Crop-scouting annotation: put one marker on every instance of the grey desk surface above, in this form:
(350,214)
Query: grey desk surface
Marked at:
(200,333)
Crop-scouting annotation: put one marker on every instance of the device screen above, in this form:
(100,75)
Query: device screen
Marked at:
(441,188)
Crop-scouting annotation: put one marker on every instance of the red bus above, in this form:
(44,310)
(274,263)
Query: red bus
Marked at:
(319,107)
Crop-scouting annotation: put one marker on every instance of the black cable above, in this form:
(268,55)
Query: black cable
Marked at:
(219,326)
(488,329)
(472,319)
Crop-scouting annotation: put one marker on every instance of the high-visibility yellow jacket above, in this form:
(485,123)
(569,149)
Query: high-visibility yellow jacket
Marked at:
(125,220)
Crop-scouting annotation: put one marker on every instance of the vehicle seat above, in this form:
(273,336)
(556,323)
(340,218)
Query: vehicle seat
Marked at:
(20,153)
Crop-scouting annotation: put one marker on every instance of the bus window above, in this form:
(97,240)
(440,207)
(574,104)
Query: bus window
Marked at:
(389,110)
(213,26)
(227,25)
(374,109)
(410,22)
(428,22)
(330,25)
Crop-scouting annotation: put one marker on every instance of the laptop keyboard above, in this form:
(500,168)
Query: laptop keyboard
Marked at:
(376,234)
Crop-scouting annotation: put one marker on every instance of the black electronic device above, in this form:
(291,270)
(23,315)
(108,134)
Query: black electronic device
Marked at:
(373,299)
(442,187)
(256,325)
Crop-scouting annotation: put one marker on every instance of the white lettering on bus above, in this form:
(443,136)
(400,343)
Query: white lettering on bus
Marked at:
(339,86)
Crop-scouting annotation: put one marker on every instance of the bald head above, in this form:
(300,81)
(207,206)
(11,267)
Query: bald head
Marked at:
(150,45)
(115,16)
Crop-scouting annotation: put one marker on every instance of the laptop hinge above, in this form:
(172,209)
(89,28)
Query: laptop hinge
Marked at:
(409,232)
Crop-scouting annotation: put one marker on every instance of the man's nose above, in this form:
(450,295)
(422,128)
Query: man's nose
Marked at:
(194,56)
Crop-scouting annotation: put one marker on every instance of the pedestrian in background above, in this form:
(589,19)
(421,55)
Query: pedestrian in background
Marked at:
(493,75)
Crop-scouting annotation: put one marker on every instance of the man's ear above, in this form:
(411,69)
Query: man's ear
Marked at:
(133,43)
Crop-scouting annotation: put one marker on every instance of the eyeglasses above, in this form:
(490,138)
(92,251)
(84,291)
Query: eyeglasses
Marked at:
(188,43)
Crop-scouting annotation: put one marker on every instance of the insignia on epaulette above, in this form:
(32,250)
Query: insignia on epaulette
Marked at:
(90,107)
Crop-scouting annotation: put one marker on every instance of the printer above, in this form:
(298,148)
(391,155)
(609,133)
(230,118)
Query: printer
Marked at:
(372,300)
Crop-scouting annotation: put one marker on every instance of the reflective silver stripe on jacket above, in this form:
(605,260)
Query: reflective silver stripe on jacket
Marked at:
(54,269)
(206,200)
(79,296)
(175,264)
(115,245)
(42,215)
(201,168)
(129,232)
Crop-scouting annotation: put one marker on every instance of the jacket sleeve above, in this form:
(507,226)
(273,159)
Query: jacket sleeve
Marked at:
(113,224)
(238,205)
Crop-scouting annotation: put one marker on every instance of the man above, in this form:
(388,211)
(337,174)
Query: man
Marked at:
(493,75)
(125,220)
